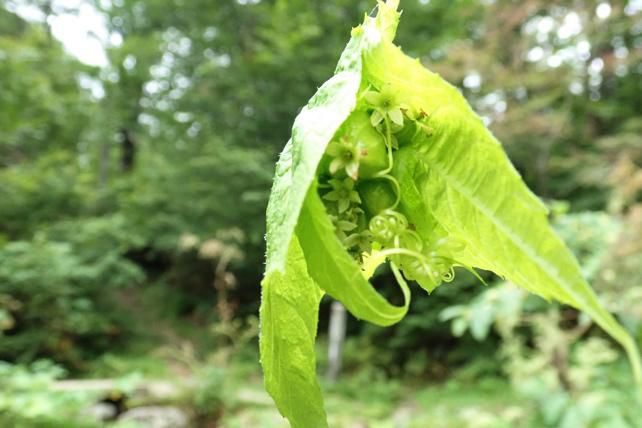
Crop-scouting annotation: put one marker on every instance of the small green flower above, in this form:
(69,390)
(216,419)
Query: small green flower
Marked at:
(342,227)
(386,105)
(345,225)
(353,214)
(362,241)
(342,193)
(346,154)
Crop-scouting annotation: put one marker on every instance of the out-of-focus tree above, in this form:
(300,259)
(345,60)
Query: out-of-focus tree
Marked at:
(43,116)
(43,108)
(560,83)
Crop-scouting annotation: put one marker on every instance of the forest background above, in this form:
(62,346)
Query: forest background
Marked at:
(133,188)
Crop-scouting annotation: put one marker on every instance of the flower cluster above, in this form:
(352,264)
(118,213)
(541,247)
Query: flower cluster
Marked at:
(360,160)
(344,206)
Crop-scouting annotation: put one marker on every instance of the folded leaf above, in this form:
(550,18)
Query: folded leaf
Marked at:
(289,314)
(312,131)
(287,353)
(337,273)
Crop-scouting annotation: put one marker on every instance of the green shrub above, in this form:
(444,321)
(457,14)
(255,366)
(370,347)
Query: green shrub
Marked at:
(55,294)
(27,401)
(210,394)
(36,194)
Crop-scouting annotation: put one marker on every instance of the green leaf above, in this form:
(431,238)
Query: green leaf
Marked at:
(481,320)
(412,202)
(472,190)
(336,272)
(313,129)
(289,314)
(459,327)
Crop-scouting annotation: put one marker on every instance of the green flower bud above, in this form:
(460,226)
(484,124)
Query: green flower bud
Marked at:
(371,143)
(376,196)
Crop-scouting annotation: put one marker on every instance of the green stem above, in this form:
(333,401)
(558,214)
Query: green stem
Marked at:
(388,138)
(633,353)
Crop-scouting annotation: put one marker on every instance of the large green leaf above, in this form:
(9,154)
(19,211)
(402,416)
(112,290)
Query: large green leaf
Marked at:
(472,190)
(312,131)
(289,314)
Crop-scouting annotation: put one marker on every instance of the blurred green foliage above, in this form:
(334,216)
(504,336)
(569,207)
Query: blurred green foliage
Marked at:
(26,402)
(53,296)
